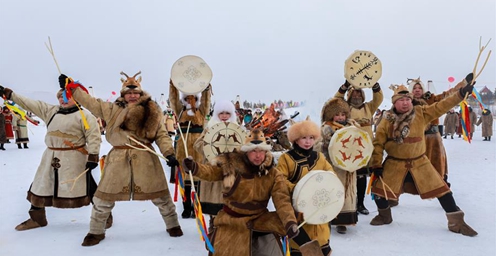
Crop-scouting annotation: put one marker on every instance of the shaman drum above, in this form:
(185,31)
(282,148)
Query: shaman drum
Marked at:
(319,195)
(223,138)
(350,148)
(362,69)
(191,74)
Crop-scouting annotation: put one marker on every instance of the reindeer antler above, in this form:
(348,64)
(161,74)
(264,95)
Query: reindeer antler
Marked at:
(139,72)
(124,74)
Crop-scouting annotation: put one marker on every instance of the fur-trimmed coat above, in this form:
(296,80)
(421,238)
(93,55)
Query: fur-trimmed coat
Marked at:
(246,193)
(409,155)
(363,115)
(64,128)
(348,214)
(198,121)
(486,119)
(435,150)
(131,174)
(294,165)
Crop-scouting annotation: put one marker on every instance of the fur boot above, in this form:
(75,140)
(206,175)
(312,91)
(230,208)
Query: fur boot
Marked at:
(175,231)
(37,219)
(311,248)
(92,239)
(457,224)
(110,221)
(384,217)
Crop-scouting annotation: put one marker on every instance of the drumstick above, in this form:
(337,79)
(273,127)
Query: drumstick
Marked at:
(384,188)
(389,188)
(313,214)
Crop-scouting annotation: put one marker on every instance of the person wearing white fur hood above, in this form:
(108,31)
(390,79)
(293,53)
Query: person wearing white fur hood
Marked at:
(211,191)
(191,111)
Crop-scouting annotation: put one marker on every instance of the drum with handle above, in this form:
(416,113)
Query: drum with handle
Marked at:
(222,138)
(350,148)
(319,195)
(191,74)
(362,69)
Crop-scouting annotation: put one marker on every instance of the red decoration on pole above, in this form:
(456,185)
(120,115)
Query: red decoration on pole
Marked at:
(451,79)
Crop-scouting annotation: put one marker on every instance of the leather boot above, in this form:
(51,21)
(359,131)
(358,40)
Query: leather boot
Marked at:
(37,219)
(19,146)
(92,239)
(457,224)
(489,138)
(384,217)
(485,139)
(1,147)
(110,221)
(175,231)
(187,210)
(311,248)
(393,203)
(25,145)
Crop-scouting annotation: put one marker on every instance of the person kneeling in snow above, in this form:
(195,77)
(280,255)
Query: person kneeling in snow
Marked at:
(245,226)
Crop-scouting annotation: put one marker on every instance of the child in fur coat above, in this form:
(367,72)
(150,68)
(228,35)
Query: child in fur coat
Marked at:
(336,115)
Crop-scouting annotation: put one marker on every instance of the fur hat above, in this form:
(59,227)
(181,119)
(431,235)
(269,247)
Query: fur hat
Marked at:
(222,106)
(303,128)
(256,140)
(182,97)
(130,83)
(400,91)
(350,92)
(333,107)
(412,82)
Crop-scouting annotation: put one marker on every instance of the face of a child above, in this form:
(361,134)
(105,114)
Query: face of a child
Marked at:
(224,116)
(306,142)
(339,117)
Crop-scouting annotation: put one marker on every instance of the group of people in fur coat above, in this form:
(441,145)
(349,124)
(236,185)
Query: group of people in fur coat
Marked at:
(244,180)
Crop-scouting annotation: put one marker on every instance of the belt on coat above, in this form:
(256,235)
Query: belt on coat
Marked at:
(65,149)
(404,159)
(233,213)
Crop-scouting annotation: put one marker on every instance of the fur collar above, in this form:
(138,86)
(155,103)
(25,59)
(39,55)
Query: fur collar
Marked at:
(142,118)
(401,123)
(237,163)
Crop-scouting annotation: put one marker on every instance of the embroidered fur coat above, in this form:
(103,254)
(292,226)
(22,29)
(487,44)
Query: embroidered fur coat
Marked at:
(406,151)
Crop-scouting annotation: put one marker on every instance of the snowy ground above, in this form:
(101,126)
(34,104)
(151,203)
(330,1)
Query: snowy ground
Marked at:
(419,226)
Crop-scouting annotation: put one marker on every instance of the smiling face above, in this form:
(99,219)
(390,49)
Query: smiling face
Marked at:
(224,116)
(339,117)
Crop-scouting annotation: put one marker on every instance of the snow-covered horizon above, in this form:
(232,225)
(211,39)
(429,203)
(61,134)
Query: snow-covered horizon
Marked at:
(419,226)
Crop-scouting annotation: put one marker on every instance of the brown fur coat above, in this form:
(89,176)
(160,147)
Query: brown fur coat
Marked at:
(246,193)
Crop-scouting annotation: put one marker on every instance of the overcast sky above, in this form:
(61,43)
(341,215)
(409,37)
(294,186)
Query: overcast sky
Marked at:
(259,49)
